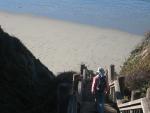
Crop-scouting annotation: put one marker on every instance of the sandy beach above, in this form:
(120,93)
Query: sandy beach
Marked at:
(63,46)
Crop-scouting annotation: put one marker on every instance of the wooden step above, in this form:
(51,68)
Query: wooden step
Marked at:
(90,107)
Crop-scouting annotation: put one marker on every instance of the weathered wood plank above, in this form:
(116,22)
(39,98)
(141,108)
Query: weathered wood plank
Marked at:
(145,102)
(131,107)
(138,101)
(111,84)
(117,91)
(148,93)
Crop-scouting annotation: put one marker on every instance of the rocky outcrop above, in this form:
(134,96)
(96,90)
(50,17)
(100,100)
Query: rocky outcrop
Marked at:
(26,85)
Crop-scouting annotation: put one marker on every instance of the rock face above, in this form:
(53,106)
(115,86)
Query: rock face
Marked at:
(26,85)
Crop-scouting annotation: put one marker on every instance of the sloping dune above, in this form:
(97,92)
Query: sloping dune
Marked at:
(63,46)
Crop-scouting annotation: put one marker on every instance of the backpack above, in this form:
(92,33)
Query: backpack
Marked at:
(101,85)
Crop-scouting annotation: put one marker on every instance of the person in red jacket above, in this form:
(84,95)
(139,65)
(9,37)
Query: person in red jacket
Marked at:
(100,88)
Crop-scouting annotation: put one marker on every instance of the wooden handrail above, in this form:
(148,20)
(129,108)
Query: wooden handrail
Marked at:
(138,101)
(142,103)
(131,108)
(111,84)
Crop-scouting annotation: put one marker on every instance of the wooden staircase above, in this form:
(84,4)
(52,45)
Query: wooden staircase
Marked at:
(88,102)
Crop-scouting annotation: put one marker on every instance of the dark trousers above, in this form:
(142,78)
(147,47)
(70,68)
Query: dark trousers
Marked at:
(100,102)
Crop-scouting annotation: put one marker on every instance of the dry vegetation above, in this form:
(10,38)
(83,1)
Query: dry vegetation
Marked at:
(136,68)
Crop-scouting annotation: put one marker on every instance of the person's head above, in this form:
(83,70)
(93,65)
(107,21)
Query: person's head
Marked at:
(101,71)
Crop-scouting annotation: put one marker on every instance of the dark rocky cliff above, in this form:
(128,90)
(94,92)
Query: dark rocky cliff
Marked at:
(26,85)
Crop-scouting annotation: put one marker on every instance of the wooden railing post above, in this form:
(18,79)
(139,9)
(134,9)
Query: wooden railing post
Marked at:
(133,93)
(111,72)
(84,74)
(112,94)
(82,68)
(76,78)
(82,82)
(117,91)
(148,93)
(145,102)
(132,98)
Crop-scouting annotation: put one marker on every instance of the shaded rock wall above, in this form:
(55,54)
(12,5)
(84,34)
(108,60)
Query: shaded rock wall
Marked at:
(26,85)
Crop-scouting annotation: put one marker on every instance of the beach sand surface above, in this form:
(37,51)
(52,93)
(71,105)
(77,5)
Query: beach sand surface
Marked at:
(63,46)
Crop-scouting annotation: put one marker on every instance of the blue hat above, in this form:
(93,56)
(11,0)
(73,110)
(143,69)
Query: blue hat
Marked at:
(100,70)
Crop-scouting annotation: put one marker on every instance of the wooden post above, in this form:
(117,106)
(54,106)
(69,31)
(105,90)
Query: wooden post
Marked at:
(83,84)
(132,98)
(80,91)
(82,68)
(117,91)
(84,74)
(145,102)
(148,93)
(109,75)
(122,85)
(113,97)
(132,95)
(111,71)
(110,81)
(75,82)
(106,74)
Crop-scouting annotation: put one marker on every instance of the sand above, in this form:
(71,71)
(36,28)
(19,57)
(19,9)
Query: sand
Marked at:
(63,46)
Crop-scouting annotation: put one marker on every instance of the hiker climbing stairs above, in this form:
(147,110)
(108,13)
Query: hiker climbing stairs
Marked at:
(88,101)
(114,102)
(88,104)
